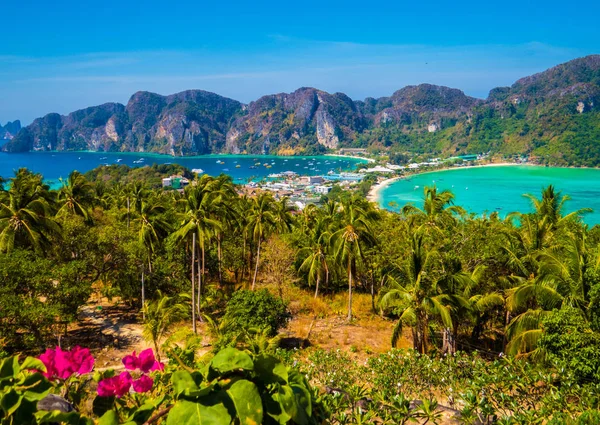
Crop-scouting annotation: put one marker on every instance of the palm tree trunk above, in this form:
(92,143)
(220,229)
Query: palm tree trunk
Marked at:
(349,290)
(193,283)
(220,260)
(143,295)
(317,285)
(200,276)
(256,265)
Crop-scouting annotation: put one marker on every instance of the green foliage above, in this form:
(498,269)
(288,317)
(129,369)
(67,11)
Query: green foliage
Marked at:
(249,311)
(569,343)
(238,388)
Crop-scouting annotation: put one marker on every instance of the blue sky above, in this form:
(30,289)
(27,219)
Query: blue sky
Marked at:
(63,55)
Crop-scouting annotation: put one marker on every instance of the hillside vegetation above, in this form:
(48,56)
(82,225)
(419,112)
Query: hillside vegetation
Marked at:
(498,319)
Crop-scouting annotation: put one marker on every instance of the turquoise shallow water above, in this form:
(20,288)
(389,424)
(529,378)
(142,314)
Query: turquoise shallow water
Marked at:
(488,189)
(53,165)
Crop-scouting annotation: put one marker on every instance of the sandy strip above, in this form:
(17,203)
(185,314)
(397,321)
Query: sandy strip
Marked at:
(350,156)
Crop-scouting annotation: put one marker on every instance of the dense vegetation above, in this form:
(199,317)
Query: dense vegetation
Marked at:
(502,313)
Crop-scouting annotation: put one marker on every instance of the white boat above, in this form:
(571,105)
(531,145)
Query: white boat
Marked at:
(197,170)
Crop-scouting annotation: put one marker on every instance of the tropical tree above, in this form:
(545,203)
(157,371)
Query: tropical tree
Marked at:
(26,214)
(417,295)
(352,236)
(315,263)
(438,209)
(161,315)
(260,222)
(564,278)
(199,202)
(76,196)
(153,228)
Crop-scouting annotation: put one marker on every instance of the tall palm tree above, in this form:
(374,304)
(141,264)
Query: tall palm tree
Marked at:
(417,295)
(198,203)
(224,212)
(153,228)
(76,196)
(26,213)
(353,235)
(261,220)
(315,262)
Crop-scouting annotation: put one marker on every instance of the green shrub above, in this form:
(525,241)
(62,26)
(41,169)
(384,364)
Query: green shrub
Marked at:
(252,312)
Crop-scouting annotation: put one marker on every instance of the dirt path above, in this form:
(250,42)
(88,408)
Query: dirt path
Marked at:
(110,331)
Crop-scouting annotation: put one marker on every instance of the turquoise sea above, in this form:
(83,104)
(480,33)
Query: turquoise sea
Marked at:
(488,189)
(53,165)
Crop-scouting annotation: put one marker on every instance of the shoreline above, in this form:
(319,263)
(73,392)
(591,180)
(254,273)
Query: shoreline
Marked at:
(368,160)
(374,194)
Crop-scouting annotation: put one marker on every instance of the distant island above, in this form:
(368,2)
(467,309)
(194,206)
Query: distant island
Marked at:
(10,130)
(552,117)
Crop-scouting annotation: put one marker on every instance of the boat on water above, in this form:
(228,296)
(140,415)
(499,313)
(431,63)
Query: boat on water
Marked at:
(252,167)
(119,160)
(238,166)
(197,170)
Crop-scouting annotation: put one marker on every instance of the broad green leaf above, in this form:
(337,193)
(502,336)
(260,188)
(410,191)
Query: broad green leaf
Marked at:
(9,368)
(37,387)
(31,363)
(183,380)
(300,388)
(247,402)
(109,418)
(283,405)
(230,359)
(71,418)
(270,369)
(10,402)
(143,413)
(212,412)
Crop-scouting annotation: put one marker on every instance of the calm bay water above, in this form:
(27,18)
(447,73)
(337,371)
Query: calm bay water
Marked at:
(488,189)
(53,165)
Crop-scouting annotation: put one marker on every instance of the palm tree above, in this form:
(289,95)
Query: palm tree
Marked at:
(551,205)
(153,228)
(416,296)
(316,260)
(562,279)
(26,213)
(354,234)
(261,220)
(437,211)
(199,203)
(161,315)
(224,212)
(76,196)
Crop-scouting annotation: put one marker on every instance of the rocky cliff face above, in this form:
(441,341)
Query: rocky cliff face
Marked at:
(535,115)
(10,130)
(283,121)
(188,123)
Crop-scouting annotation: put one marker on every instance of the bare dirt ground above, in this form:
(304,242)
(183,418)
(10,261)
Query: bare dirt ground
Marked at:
(110,329)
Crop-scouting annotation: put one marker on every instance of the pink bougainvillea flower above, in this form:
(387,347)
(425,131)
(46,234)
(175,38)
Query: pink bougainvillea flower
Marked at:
(82,360)
(146,362)
(143,384)
(48,359)
(63,364)
(116,386)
